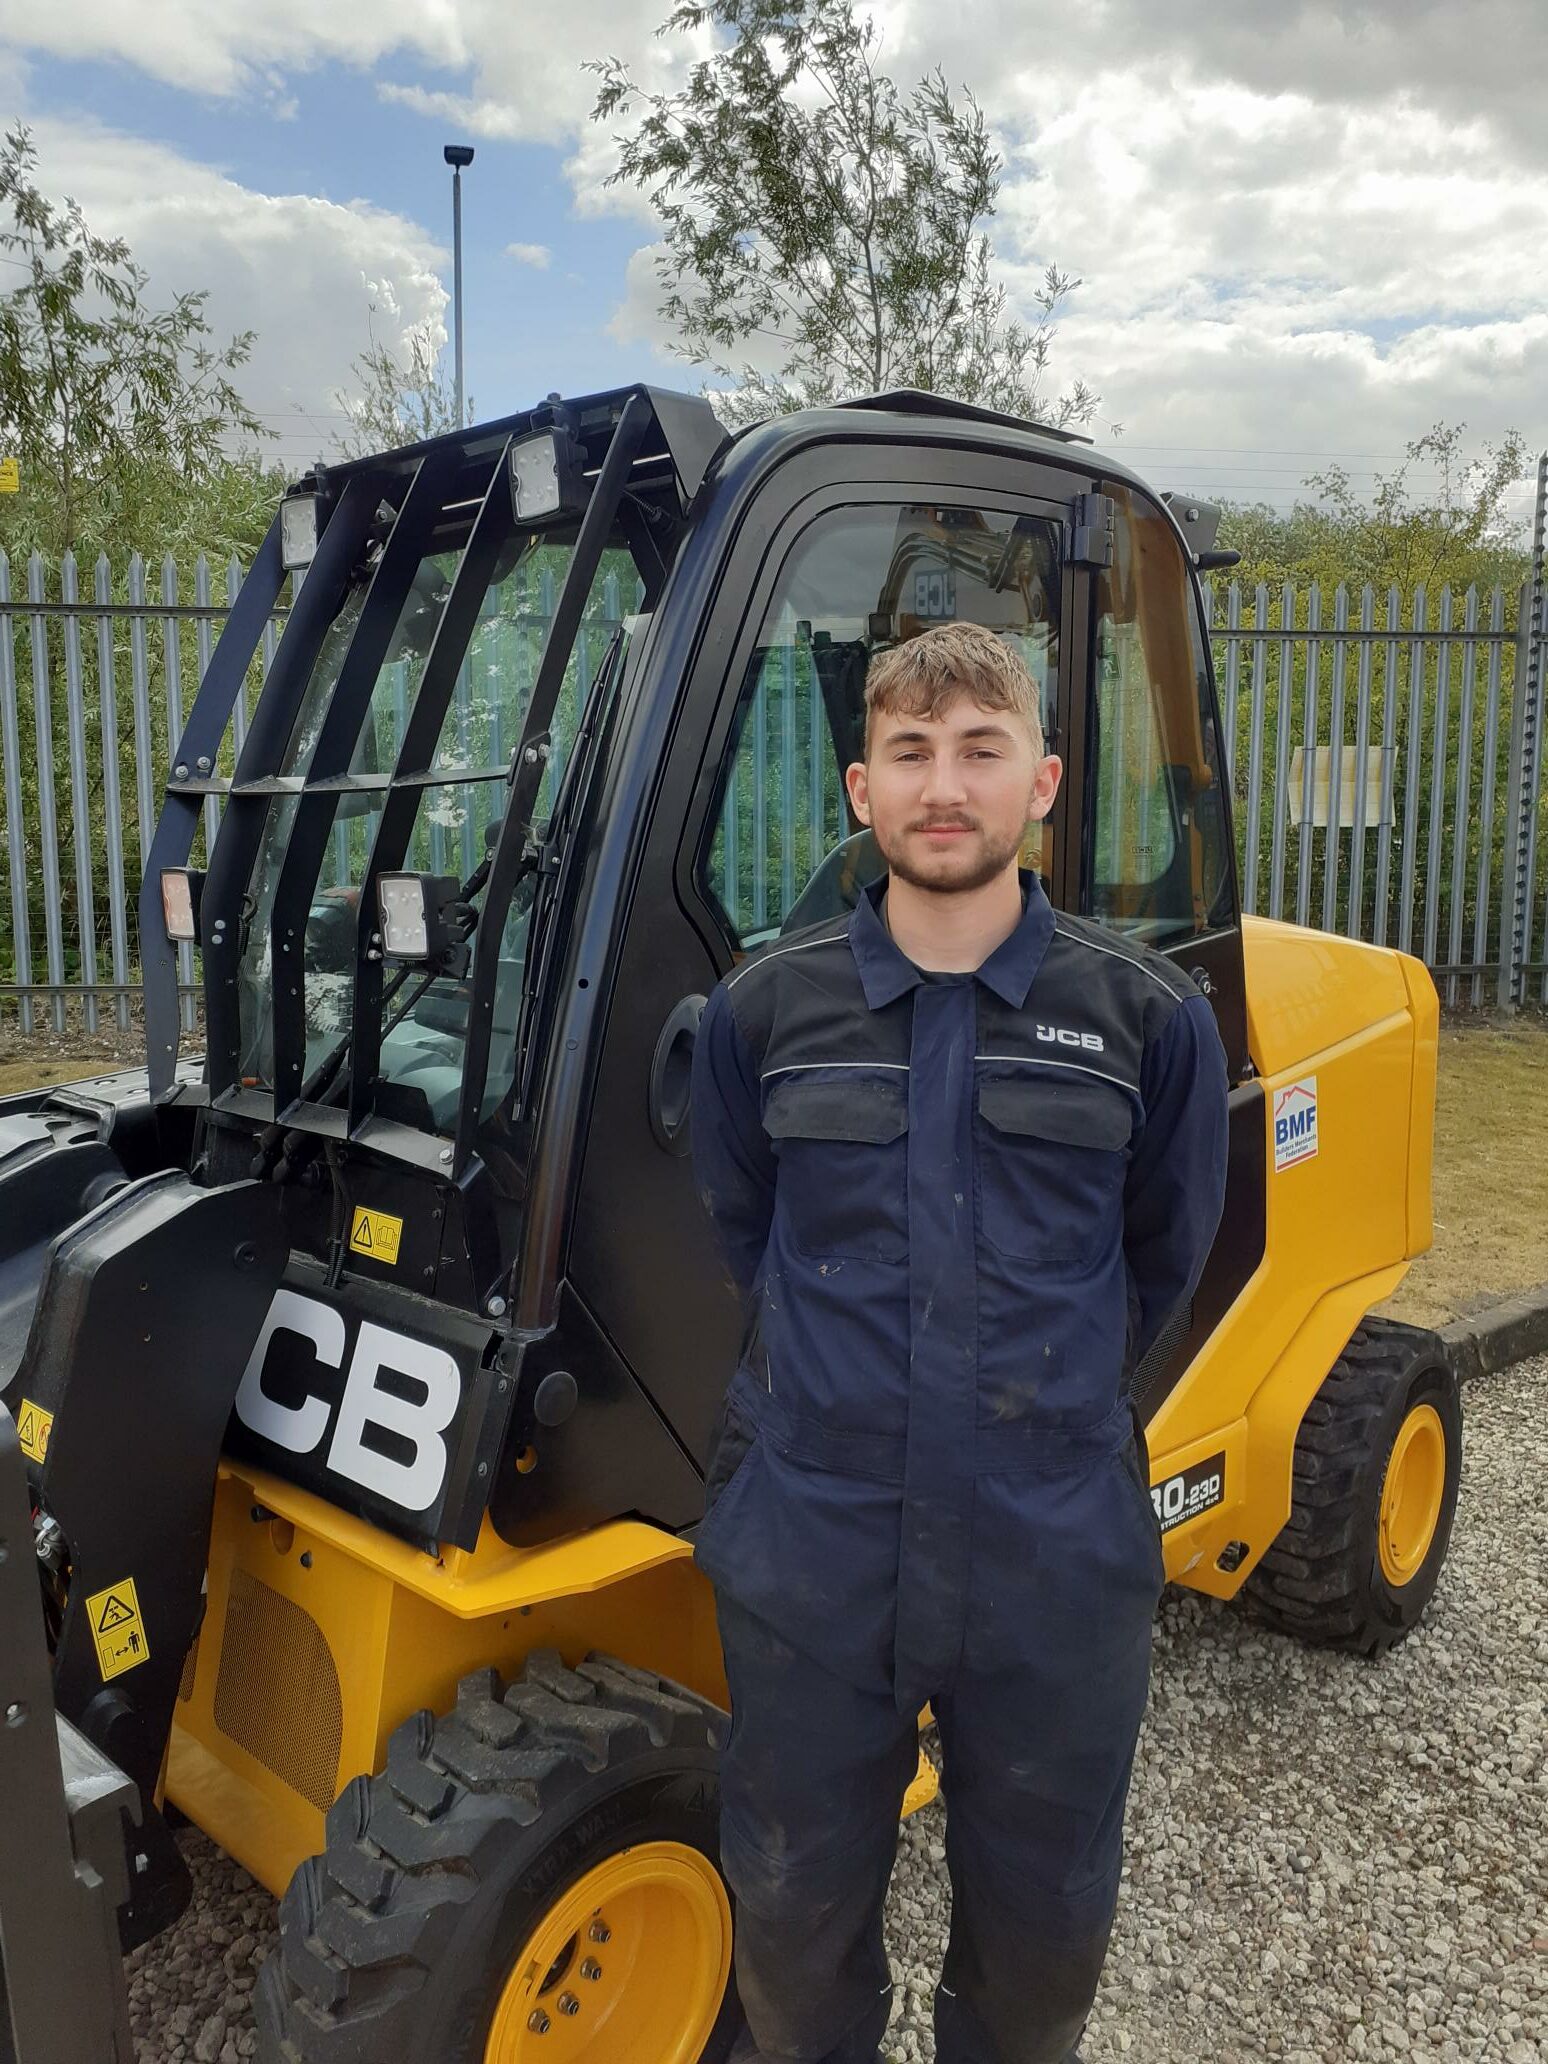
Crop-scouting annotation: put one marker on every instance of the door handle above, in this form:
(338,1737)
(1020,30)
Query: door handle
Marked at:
(671,1069)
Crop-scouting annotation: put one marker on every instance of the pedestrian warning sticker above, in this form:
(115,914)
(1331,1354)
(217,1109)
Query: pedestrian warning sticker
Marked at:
(117,1629)
(376,1233)
(33,1427)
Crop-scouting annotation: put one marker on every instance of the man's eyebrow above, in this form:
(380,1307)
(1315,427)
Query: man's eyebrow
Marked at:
(973,731)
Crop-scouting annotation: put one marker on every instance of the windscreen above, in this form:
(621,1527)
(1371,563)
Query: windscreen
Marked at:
(460,802)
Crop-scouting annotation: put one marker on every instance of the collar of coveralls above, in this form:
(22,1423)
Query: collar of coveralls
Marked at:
(887,973)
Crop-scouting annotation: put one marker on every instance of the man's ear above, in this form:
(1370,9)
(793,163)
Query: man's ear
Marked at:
(858,789)
(1045,785)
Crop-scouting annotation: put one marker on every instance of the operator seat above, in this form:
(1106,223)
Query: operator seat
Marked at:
(836,885)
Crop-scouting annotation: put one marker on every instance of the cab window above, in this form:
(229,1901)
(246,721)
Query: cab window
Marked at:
(783,850)
(1158,864)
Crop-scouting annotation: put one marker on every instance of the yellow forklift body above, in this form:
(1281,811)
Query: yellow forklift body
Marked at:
(321,1633)
(1359,1025)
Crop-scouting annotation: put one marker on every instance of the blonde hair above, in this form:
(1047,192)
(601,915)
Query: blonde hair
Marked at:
(923,676)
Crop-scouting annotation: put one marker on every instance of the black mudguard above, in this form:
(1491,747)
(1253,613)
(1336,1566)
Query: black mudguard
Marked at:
(62,1151)
(145,1315)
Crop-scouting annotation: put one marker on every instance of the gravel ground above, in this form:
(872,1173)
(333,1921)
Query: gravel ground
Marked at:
(1327,1858)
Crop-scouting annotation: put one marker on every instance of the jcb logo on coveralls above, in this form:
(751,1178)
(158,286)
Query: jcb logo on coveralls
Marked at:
(1060,1035)
(400,1395)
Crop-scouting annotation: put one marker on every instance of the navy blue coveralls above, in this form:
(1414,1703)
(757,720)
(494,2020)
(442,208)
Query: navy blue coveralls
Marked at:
(959,1208)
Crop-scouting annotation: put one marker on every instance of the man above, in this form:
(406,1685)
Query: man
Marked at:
(964,1156)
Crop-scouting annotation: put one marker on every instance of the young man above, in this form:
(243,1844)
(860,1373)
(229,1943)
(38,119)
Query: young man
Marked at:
(964,1155)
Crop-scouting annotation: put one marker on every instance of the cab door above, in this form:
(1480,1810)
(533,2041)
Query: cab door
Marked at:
(750,823)
(1158,855)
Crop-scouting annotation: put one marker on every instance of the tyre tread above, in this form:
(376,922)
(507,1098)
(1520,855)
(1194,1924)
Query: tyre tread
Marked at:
(363,1924)
(1307,1583)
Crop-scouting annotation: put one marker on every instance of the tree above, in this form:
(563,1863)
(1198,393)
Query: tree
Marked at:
(397,400)
(105,399)
(1457,532)
(823,232)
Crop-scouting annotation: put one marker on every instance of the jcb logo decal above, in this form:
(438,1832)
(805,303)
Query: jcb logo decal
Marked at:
(1061,1035)
(400,1395)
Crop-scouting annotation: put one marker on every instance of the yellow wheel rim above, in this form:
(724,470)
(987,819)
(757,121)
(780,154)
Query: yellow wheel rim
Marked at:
(631,1962)
(1411,1494)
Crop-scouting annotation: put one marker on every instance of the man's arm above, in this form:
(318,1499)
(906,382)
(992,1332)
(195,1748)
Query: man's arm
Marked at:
(1175,1190)
(733,1163)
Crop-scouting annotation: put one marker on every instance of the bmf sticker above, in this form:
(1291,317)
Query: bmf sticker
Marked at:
(1295,1122)
(1193,1490)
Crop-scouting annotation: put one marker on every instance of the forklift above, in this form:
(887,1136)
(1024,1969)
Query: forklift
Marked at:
(367,1368)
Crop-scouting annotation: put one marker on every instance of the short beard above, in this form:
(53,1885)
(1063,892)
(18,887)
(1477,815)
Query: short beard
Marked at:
(995,860)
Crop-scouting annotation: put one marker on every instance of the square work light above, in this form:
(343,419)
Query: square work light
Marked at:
(548,477)
(298,531)
(417,920)
(182,890)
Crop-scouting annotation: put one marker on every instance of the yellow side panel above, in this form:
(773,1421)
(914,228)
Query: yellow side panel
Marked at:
(1340,1226)
(311,1654)
(1308,991)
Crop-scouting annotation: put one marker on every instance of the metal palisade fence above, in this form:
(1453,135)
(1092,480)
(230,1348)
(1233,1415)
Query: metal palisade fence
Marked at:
(1386,754)
(1387,768)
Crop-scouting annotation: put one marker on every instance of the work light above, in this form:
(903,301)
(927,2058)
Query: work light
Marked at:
(547,476)
(417,918)
(182,888)
(298,531)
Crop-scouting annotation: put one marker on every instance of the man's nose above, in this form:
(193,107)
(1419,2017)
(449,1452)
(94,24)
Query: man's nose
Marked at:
(943,784)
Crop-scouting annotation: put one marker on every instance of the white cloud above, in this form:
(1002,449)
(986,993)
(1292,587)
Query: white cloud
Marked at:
(537,255)
(1309,221)
(303,272)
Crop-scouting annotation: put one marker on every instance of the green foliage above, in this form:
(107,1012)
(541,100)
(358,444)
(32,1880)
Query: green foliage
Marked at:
(815,216)
(122,414)
(398,398)
(1456,533)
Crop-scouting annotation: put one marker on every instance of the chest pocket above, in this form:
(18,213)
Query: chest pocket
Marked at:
(1051,1157)
(842,1141)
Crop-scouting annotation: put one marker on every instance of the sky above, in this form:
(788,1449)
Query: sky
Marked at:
(1305,233)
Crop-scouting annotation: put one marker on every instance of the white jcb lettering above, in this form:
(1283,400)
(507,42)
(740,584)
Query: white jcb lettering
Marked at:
(368,1403)
(416,1484)
(1060,1035)
(297,1427)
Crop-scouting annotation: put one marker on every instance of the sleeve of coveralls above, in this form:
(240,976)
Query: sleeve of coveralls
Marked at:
(733,1163)
(1176,1183)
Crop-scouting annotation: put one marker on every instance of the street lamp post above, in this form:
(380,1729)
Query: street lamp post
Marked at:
(457,155)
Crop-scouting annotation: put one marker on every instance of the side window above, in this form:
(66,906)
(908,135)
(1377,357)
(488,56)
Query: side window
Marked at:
(1158,854)
(783,850)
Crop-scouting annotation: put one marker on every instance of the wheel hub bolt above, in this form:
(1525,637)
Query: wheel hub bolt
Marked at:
(537,2021)
(568,2003)
(601,1932)
(591,1968)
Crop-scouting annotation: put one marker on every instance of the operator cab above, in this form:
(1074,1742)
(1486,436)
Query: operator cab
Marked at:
(554,733)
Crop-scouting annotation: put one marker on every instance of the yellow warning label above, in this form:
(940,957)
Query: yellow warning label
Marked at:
(117,1629)
(10,476)
(376,1233)
(33,1427)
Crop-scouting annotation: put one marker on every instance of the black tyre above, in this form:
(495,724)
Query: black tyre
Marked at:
(534,1875)
(1377,1462)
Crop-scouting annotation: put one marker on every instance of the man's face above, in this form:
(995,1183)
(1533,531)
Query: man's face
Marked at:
(948,799)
